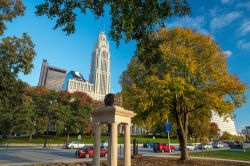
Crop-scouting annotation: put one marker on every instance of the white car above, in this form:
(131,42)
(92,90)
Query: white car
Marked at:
(218,145)
(74,145)
(205,146)
(190,147)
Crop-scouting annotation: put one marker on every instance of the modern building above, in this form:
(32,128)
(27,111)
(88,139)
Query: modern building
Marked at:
(74,81)
(51,77)
(99,78)
(225,123)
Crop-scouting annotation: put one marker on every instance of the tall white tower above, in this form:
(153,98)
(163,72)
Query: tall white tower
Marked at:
(100,67)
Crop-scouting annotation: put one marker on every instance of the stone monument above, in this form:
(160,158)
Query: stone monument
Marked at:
(112,115)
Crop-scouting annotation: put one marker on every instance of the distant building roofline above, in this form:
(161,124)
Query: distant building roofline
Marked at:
(57,69)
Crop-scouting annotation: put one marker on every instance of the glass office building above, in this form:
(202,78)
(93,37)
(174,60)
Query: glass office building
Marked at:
(51,77)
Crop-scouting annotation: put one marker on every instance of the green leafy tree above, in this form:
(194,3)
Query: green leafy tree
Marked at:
(128,18)
(11,102)
(16,56)
(80,105)
(198,127)
(179,73)
(37,112)
(9,9)
(25,117)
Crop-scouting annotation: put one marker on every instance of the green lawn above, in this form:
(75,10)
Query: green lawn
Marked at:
(85,139)
(224,154)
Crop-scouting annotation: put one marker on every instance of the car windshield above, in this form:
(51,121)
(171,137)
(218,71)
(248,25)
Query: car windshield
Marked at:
(86,147)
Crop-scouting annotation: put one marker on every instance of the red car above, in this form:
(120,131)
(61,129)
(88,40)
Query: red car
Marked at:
(88,152)
(162,147)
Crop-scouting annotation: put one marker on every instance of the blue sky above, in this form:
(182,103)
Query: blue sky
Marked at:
(227,21)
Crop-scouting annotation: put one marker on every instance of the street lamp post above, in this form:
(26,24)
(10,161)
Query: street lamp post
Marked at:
(65,131)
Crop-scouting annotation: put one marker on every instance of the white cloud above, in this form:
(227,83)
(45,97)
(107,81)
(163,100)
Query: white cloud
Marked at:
(226,1)
(195,23)
(228,53)
(245,27)
(243,5)
(224,20)
(243,44)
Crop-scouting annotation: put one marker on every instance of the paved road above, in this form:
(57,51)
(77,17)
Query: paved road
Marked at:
(27,156)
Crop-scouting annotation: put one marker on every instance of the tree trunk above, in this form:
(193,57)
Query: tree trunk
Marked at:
(183,144)
(30,136)
(182,129)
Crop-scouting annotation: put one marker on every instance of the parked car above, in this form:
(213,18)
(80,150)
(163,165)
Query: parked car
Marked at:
(190,147)
(74,145)
(230,143)
(162,147)
(104,144)
(218,144)
(87,152)
(205,146)
(148,145)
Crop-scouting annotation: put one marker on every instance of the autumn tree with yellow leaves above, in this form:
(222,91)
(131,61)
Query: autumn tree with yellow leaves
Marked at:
(179,74)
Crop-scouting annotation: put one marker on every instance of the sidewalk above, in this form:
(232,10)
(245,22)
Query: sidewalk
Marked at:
(202,158)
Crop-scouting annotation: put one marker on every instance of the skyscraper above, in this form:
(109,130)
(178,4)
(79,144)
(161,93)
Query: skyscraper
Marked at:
(51,77)
(100,67)
(225,123)
(99,77)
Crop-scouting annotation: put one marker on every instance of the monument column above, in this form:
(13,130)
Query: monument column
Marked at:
(127,146)
(113,144)
(97,142)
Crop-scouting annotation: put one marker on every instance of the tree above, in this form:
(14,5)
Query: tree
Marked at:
(37,112)
(9,9)
(198,127)
(213,130)
(16,56)
(201,128)
(179,73)
(226,136)
(129,20)
(80,105)
(11,101)
(25,117)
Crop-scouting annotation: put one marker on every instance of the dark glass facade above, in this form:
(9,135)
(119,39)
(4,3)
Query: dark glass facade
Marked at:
(51,77)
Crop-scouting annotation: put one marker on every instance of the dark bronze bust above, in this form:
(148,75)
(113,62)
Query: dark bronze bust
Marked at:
(110,100)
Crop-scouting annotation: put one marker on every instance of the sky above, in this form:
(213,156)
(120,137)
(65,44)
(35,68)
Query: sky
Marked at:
(227,21)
